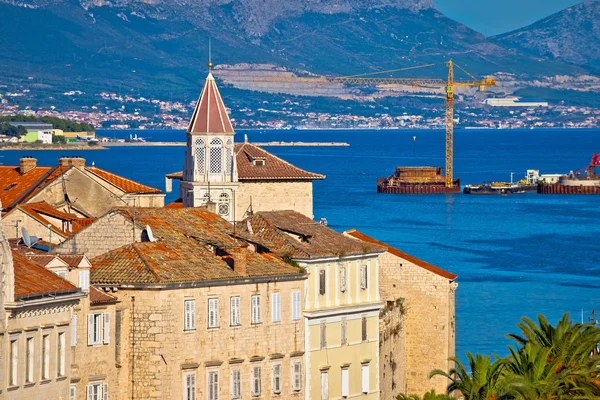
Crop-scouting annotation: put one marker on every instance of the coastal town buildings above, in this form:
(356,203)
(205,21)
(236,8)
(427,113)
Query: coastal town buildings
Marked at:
(239,178)
(342,303)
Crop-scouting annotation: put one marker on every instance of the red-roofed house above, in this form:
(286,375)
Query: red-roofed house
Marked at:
(423,295)
(238,178)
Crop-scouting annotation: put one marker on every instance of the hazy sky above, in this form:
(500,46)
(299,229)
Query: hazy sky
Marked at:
(491,17)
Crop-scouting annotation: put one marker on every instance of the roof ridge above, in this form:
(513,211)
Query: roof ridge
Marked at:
(284,161)
(144,262)
(90,169)
(278,231)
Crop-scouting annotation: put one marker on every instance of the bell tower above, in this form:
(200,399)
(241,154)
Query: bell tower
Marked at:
(210,172)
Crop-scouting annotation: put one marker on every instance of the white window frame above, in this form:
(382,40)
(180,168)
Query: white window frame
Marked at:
(213,312)
(296,305)
(345,382)
(276,307)
(29,359)
(364,372)
(189,385)
(61,354)
(13,374)
(45,356)
(212,385)
(106,328)
(84,279)
(297,375)
(364,277)
(95,324)
(256,381)
(62,273)
(276,373)
(97,391)
(324,385)
(255,309)
(236,383)
(73,392)
(234,311)
(189,314)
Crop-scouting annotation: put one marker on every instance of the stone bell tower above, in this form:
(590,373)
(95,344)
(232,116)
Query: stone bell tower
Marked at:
(210,172)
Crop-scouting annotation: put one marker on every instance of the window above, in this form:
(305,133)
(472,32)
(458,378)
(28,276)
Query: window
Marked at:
(62,274)
(94,329)
(216,156)
(189,382)
(73,392)
(322,282)
(106,328)
(14,362)
(256,309)
(365,379)
(345,382)
(223,204)
(213,313)
(234,312)
(74,330)
(276,378)
(342,279)
(84,279)
(296,310)
(97,391)
(364,328)
(46,357)
(199,155)
(29,360)
(228,157)
(323,334)
(276,307)
(235,384)
(324,385)
(344,327)
(297,375)
(60,362)
(363,277)
(213,385)
(189,322)
(256,386)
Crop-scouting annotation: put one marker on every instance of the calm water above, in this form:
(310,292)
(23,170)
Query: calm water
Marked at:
(516,255)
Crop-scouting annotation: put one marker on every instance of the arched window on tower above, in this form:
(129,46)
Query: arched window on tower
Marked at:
(216,156)
(223,204)
(199,155)
(228,157)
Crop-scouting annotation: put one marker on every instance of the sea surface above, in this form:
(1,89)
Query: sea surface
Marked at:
(515,256)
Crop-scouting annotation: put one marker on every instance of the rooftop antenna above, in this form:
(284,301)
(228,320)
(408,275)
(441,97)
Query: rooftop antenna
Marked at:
(29,241)
(210,64)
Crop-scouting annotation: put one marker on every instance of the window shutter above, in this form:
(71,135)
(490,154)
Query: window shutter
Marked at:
(365,379)
(364,328)
(324,386)
(105,391)
(90,392)
(186,315)
(295,306)
(323,334)
(342,279)
(297,376)
(258,318)
(213,318)
(91,329)
(276,378)
(256,381)
(276,307)
(363,276)
(106,328)
(322,282)
(345,383)
(74,330)
(193,321)
(344,339)
(73,392)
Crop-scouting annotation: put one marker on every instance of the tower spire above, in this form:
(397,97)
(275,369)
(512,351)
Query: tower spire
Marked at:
(210,64)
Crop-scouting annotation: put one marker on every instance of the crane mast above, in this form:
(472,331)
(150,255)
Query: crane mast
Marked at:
(450,126)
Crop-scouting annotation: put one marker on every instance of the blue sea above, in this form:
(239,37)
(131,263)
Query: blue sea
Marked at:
(515,256)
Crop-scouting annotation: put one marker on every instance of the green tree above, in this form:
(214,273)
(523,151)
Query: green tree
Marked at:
(432,395)
(57,139)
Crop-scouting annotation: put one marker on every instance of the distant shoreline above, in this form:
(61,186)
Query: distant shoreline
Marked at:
(44,147)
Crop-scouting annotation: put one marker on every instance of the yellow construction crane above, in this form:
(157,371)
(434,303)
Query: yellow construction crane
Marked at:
(449,84)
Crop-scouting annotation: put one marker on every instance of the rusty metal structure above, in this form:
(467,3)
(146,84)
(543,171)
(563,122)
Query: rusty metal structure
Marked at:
(584,181)
(417,180)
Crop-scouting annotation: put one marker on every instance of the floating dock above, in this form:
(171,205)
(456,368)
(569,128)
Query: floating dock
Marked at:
(417,180)
(558,188)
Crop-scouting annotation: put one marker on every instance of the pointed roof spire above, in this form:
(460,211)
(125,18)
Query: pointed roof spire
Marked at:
(210,114)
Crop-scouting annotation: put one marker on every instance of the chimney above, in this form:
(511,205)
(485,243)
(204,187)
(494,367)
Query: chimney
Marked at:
(67,162)
(211,207)
(239,259)
(26,164)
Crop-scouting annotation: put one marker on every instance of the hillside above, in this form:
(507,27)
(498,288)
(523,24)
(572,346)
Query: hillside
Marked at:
(571,35)
(159,48)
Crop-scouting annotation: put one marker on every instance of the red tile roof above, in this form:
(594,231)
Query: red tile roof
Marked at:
(13,185)
(40,210)
(34,280)
(210,114)
(98,296)
(398,253)
(176,204)
(291,234)
(126,185)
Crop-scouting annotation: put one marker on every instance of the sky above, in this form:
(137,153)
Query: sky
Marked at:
(492,17)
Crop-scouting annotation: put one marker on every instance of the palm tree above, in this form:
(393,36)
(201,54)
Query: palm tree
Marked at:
(432,395)
(485,381)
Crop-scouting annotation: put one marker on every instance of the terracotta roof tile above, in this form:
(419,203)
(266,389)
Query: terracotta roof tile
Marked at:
(291,234)
(210,114)
(398,253)
(13,185)
(98,296)
(175,204)
(126,185)
(34,280)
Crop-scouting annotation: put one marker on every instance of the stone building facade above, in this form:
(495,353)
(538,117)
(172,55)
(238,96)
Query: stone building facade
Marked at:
(238,178)
(420,326)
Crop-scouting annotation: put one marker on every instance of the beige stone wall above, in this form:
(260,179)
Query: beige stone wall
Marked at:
(429,320)
(33,226)
(270,196)
(392,353)
(158,350)
(94,363)
(107,233)
(34,322)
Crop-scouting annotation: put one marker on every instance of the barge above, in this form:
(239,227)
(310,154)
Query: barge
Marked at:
(584,181)
(417,180)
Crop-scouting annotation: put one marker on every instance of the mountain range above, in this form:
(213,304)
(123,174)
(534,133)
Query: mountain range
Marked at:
(160,47)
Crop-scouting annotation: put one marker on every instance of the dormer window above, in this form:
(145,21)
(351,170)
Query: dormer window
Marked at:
(258,162)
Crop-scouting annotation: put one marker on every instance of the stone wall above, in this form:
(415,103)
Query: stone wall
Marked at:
(392,354)
(157,352)
(276,195)
(34,227)
(429,320)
